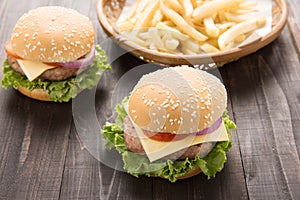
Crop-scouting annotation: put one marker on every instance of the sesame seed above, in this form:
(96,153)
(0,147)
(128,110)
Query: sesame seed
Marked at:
(194,114)
(185,109)
(166,106)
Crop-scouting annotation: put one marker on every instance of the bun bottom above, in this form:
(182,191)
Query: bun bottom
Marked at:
(38,94)
(192,172)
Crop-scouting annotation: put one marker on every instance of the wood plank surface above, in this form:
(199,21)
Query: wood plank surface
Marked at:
(264,120)
(294,23)
(43,156)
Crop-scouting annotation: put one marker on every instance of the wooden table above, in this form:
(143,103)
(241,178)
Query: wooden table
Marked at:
(41,156)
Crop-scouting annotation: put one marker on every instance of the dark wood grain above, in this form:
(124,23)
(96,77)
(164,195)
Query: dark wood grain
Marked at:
(43,156)
(294,23)
(264,120)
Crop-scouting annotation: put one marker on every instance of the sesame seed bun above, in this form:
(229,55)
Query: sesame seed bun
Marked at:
(177,100)
(52,34)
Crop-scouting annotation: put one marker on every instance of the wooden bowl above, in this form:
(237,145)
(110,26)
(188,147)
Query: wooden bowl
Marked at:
(109,10)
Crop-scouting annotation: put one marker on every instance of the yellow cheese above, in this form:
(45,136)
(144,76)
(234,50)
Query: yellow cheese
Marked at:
(156,149)
(33,69)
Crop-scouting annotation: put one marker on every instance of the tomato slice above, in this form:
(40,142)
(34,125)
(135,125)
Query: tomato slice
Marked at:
(9,51)
(52,64)
(164,137)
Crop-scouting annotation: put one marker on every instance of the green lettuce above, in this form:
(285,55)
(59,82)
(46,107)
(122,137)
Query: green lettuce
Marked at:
(138,164)
(59,91)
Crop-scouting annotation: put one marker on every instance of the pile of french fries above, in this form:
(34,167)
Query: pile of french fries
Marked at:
(189,26)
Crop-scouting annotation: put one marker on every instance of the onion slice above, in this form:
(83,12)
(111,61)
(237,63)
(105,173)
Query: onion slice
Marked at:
(210,129)
(82,62)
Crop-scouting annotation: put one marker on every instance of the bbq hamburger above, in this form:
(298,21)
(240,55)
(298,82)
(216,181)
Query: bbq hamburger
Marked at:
(174,125)
(51,55)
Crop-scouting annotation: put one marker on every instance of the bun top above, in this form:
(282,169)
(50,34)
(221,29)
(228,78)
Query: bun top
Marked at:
(177,100)
(52,34)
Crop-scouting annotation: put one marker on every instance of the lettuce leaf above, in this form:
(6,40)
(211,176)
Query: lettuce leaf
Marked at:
(138,164)
(59,91)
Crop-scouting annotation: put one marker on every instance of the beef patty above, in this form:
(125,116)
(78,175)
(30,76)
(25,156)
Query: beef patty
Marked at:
(133,143)
(55,74)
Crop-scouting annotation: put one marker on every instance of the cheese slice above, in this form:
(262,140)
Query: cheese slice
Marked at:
(156,149)
(33,69)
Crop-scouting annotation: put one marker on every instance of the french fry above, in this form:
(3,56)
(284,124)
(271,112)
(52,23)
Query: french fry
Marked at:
(157,18)
(153,47)
(173,4)
(240,38)
(228,36)
(175,33)
(223,27)
(235,18)
(213,42)
(171,44)
(208,48)
(189,26)
(220,18)
(133,38)
(206,9)
(188,7)
(142,5)
(133,9)
(242,12)
(191,45)
(169,23)
(155,36)
(210,28)
(144,35)
(197,3)
(247,5)
(166,35)
(188,51)
(182,24)
(148,13)
(125,26)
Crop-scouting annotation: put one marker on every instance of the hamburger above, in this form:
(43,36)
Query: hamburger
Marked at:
(51,55)
(173,125)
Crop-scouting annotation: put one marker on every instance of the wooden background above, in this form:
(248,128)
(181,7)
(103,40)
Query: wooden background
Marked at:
(41,156)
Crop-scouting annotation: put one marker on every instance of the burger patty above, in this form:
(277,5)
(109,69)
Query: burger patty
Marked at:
(55,74)
(133,143)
